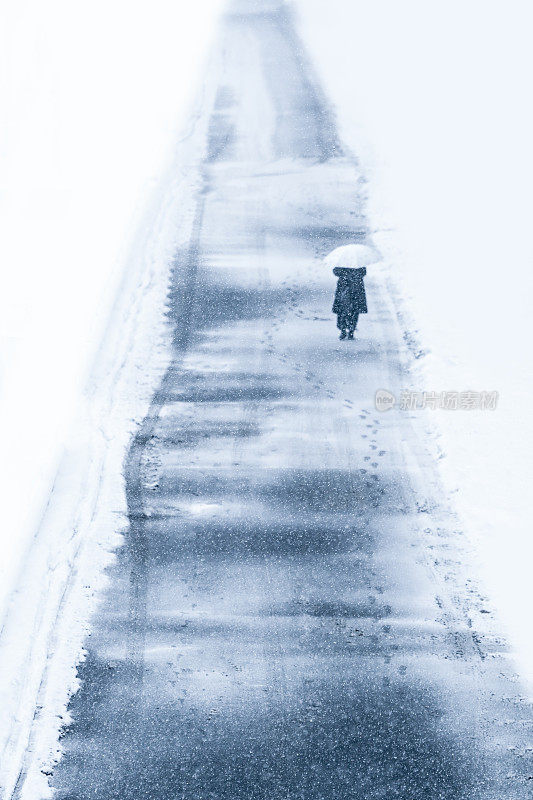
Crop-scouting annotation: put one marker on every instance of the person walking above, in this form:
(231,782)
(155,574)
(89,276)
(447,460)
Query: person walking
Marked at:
(350,299)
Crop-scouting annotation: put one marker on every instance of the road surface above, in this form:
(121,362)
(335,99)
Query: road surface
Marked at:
(286,618)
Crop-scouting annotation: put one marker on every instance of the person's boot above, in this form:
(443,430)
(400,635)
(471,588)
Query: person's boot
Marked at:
(343,335)
(350,334)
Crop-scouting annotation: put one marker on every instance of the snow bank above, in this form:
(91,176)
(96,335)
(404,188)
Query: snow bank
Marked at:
(92,97)
(432,98)
(93,100)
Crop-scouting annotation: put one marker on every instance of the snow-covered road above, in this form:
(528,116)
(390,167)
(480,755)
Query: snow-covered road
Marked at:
(291,615)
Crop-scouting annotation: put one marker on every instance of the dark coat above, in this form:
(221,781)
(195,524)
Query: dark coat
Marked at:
(350,297)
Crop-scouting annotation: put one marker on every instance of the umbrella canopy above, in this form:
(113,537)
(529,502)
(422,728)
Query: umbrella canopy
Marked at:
(352,256)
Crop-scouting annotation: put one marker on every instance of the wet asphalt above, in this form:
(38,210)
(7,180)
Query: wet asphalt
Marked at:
(286,617)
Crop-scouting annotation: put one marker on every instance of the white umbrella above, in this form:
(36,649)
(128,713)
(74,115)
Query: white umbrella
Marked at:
(352,256)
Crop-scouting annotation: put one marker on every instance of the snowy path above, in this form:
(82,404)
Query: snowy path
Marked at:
(286,618)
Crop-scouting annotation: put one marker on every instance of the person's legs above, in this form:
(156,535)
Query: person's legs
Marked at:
(353,325)
(341,325)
